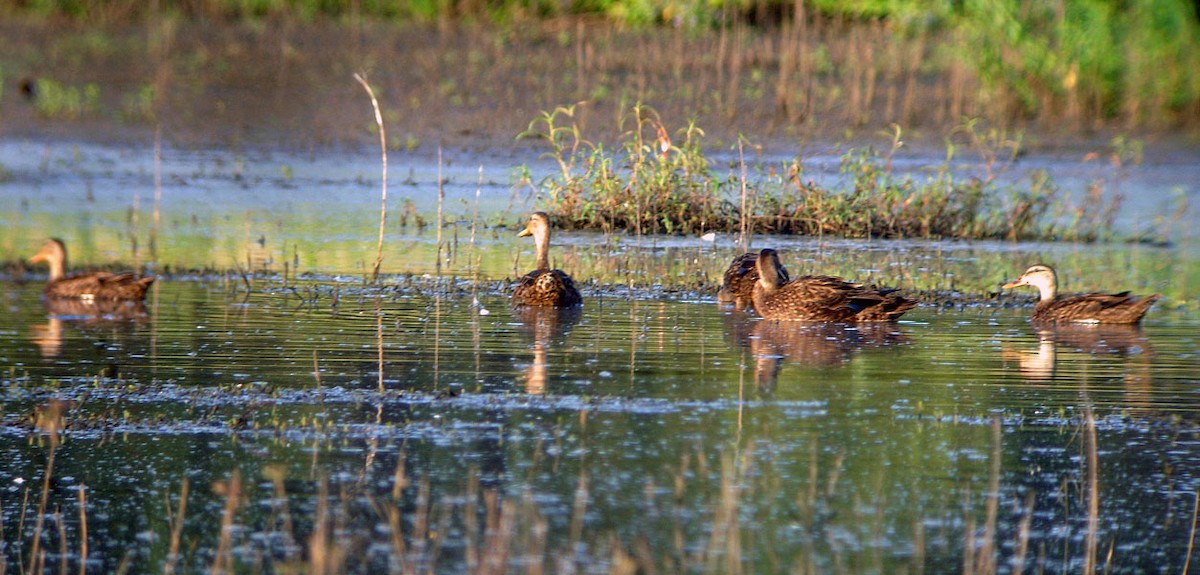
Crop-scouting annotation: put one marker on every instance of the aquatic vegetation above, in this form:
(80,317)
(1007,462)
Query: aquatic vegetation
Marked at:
(56,100)
(653,185)
(334,499)
(140,106)
(650,184)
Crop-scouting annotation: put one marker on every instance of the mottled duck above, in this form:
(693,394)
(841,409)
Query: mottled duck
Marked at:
(95,286)
(1081,308)
(544,287)
(737,287)
(821,298)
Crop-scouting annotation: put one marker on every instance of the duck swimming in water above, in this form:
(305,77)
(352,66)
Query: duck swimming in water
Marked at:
(737,287)
(544,287)
(1082,308)
(821,298)
(95,286)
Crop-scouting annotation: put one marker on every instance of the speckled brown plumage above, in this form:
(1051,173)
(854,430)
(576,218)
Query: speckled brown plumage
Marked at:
(822,298)
(737,287)
(1120,308)
(544,286)
(96,286)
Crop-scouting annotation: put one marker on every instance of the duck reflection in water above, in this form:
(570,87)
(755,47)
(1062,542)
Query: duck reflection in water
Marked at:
(83,314)
(546,327)
(813,345)
(1090,340)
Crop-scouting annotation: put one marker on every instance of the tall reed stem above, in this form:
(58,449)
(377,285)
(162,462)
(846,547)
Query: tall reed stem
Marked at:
(383,156)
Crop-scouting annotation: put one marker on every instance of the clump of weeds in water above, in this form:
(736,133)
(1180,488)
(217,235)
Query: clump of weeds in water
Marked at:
(55,100)
(654,184)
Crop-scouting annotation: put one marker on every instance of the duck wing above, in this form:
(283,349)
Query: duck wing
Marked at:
(546,288)
(1095,307)
(100,286)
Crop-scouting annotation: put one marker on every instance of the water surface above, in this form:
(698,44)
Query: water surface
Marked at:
(670,423)
(315,413)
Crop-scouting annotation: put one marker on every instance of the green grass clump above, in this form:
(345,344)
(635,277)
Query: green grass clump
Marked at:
(650,184)
(56,100)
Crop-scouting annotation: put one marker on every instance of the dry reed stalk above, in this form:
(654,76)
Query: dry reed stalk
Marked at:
(471,523)
(579,508)
(223,558)
(420,533)
(21,524)
(175,520)
(744,242)
(156,216)
(721,554)
(83,532)
(317,370)
(985,558)
(441,187)
(735,72)
(49,421)
(319,553)
(379,338)
(475,222)
(969,556)
(361,78)
(280,509)
(1192,535)
(62,542)
(834,472)
(1093,491)
(396,529)
(918,558)
(1017,562)
(3,554)
(499,523)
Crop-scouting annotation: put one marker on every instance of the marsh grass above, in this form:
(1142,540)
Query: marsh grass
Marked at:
(57,100)
(651,183)
(295,521)
(797,72)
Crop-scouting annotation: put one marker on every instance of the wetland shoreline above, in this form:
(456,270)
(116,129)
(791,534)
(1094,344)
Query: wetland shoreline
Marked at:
(327,423)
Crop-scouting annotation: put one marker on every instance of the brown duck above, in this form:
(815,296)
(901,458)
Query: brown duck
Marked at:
(1081,308)
(544,287)
(821,298)
(96,286)
(737,288)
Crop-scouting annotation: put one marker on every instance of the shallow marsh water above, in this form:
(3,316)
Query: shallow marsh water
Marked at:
(652,428)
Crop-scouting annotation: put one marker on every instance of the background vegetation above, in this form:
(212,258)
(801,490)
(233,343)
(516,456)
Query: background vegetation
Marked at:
(651,182)
(1087,62)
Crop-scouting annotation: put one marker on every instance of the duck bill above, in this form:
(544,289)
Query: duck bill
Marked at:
(37,258)
(1015,283)
(524,232)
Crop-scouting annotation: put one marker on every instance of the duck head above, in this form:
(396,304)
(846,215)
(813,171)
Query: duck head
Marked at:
(1040,276)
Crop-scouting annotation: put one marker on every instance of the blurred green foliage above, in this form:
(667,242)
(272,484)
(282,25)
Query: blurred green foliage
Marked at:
(1082,61)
